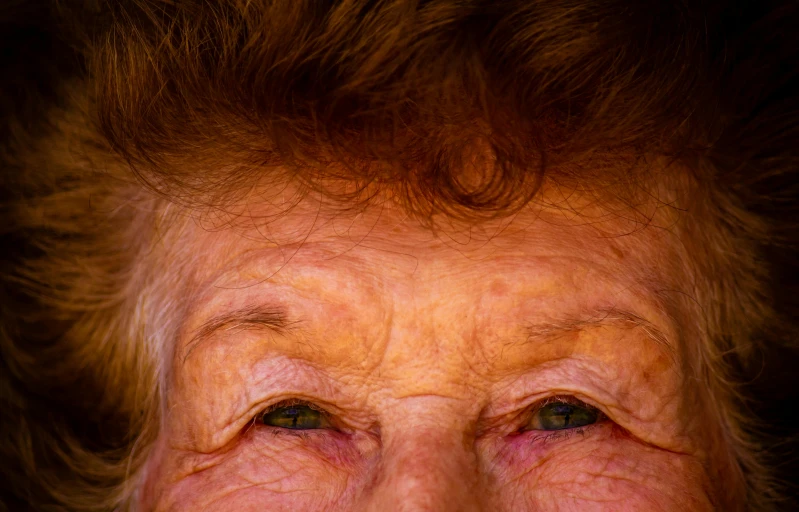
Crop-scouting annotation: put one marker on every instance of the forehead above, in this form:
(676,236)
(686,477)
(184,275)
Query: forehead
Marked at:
(356,271)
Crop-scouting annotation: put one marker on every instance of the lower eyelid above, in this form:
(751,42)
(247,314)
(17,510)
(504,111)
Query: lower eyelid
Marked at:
(548,436)
(259,429)
(278,431)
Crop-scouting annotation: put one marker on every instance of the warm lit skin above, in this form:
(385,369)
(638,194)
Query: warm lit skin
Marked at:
(429,353)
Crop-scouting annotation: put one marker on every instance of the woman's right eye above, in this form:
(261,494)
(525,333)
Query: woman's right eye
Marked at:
(295,416)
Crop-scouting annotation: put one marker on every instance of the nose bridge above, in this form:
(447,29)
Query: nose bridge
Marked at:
(428,465)
(428,472)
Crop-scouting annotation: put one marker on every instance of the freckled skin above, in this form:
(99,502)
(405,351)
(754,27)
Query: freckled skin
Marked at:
(415,345)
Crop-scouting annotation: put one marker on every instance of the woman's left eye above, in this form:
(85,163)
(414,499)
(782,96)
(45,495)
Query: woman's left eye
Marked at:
(295,417)
(562,414)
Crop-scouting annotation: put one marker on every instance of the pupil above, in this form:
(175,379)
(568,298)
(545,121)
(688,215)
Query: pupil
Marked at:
(564,410)
(295,415)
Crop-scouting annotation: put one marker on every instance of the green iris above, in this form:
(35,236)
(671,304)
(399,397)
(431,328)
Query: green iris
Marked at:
(561,415)
(295,417)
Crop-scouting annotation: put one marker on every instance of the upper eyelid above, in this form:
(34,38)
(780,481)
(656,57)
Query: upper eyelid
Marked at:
(567,399)
(571,397)
(289,402)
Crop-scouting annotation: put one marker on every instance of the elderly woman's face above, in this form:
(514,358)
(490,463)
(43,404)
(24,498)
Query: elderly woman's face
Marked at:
(362,362)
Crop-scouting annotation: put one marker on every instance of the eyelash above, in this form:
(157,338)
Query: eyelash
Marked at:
(288,403)
(562,435)
(538,436)
(566,399)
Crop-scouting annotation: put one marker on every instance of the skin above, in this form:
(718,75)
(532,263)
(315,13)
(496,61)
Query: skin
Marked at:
(429,352)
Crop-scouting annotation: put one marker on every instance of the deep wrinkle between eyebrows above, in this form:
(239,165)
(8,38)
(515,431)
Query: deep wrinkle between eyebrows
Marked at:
(275,318)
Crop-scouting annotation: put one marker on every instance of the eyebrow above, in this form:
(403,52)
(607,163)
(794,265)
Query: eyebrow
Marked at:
(261,317)
(548,330)
(275,318)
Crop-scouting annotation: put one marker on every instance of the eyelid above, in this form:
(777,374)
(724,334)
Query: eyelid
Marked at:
(289,402)
(566,399)
(549,436)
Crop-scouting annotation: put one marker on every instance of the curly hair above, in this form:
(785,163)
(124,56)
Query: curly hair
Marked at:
(119,116)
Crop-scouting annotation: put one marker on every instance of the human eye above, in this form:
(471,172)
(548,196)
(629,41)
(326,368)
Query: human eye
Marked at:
(562,413)
(295,415)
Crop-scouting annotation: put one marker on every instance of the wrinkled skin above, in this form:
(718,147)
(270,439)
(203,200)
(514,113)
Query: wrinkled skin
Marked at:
(428,352)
